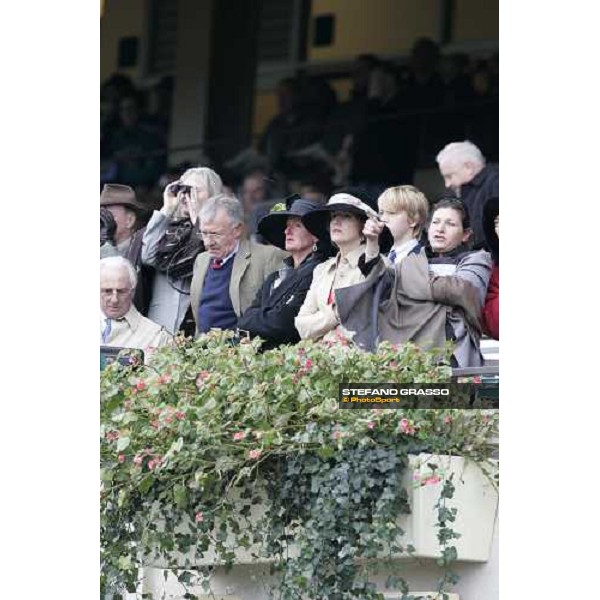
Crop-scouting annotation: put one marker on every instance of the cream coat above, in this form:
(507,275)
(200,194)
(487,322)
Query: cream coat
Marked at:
(316,318)
(135,331)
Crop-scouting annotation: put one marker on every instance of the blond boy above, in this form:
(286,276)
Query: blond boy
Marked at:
(403,210)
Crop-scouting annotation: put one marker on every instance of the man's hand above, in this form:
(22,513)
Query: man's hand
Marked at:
(371,231)
(170,201)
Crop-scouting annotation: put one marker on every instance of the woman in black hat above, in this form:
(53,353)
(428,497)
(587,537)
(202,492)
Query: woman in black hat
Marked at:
(342,220)
(271,315)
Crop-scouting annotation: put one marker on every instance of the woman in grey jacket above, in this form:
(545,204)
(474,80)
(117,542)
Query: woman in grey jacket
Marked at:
(181,205)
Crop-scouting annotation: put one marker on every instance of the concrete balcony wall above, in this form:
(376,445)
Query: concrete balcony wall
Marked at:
(477,565)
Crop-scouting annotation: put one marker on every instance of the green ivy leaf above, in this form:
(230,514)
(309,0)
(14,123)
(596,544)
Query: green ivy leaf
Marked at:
(122,443)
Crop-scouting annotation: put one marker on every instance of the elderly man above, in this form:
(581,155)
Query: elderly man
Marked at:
(231,271)
(462,165)
(121,202)
(121,325)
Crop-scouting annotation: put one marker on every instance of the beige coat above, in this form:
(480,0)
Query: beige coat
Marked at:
(316,318)
(252,264)
(135,331)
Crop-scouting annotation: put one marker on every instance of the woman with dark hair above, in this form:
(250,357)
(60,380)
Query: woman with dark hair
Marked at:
(450,257)
(341,220)
(271,315)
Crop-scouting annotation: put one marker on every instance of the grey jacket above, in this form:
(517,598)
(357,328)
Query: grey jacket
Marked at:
(167,305)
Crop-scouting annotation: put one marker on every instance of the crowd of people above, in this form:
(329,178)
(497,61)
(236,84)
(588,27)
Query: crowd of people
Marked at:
(346,267)
(396,116)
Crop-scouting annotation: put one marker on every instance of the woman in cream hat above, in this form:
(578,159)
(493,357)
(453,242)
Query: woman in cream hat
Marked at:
(342,220)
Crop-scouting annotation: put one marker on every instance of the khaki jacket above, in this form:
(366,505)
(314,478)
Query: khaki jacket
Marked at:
(252,264)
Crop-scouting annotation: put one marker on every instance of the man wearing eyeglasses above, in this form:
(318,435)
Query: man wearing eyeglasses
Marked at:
(231,270)
(121,324)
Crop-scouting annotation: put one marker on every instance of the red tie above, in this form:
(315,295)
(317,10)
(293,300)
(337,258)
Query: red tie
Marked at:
(216,263)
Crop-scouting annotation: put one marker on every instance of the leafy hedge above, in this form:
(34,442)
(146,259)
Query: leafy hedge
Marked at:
(185,441)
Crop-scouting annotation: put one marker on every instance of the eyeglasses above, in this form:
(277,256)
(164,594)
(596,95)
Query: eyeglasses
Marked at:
(120,292)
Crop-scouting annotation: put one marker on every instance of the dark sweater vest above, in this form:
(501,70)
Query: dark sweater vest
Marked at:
(215,308)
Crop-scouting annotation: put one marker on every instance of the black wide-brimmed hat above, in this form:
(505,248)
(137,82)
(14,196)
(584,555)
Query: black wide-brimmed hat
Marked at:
(272,226)
(317,221)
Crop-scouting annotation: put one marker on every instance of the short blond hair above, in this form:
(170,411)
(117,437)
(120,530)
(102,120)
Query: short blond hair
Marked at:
(406,198)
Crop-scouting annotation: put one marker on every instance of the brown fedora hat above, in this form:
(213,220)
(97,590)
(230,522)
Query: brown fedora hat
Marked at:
(116,194)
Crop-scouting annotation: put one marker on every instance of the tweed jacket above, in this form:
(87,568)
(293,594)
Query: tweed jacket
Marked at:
(252,264)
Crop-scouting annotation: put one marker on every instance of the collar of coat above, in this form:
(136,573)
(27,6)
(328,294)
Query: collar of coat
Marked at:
(351,257)
(132,317)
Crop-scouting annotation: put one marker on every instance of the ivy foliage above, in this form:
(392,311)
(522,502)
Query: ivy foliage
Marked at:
(218,449)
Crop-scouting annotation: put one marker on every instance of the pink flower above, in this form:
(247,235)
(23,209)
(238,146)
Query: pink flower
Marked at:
(336,435)
(371,424)
(447,419)
(199,517)
(254,454)
(154,462)
(164,379)
(477,379)
(140,385)
(111,436)
(202,377)
(121,458)
(239,435)
(406,427)
(169,419)
(308,364)
(432,480)
(180,415)
(154,424)
(137,460)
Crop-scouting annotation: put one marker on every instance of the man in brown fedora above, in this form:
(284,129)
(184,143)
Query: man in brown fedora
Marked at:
(120,200)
